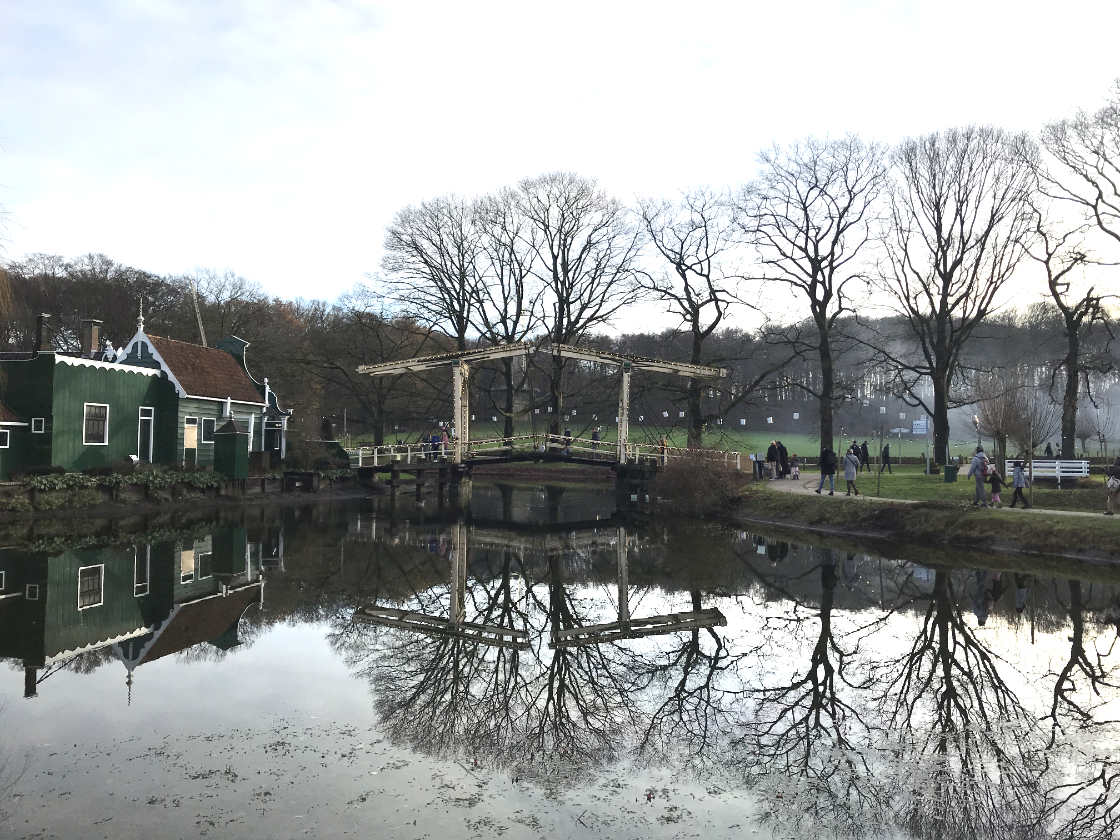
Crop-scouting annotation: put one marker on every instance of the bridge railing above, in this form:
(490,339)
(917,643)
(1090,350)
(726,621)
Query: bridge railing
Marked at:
(410,453)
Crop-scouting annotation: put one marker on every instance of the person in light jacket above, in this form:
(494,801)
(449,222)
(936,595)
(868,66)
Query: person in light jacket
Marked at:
(1112,488)
(1019,481)
(978,471)
(851,470)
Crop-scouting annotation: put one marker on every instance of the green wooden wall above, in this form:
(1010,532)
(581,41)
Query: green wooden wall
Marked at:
(212,409)
(124,391)
(27,386)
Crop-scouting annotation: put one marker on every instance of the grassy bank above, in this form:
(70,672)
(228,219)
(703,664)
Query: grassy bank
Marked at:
(910,482)
(937,524)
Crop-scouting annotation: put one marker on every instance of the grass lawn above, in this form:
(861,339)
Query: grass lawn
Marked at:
(911,483)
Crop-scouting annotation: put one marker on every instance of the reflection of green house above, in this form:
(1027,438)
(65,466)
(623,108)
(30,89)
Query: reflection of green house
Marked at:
(139,602)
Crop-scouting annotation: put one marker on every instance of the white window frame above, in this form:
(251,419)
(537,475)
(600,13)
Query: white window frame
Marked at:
(196,441)
(31,593)
(38,425)
(81,569)
(188,577)
(3,575)
(95,443)
(202,429)
(136,560)
(151,432)
(198,555)
(5,439)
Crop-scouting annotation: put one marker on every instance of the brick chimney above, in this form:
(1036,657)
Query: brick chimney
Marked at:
(91,337)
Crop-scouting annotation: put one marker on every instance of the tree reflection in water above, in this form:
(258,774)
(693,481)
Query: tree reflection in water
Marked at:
(967,757)
(849,711)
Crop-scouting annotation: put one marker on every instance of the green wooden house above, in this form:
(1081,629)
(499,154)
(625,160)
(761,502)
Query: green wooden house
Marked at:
(135,603)
(211,385)
(78,413)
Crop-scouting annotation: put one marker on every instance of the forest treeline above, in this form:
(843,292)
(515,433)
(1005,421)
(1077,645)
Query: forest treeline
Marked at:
(876,279)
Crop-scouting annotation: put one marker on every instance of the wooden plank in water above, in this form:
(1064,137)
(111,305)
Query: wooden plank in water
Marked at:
(662,623)
(431,626)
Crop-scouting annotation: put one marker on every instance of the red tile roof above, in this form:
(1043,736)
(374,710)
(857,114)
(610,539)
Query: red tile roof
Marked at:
(206,371)
(7,415)
(200,621)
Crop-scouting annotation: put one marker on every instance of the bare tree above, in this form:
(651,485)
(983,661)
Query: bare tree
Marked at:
(586,258)
(507,300)
(431,262)
(695,236)
(959,222)
(1086,150)
(1060,255)
(811,216)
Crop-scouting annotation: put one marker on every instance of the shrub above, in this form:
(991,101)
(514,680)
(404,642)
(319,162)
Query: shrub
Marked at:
(697,486)
(16,502)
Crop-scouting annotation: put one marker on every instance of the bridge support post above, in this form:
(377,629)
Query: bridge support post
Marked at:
(458,572)
(623,412)
(623,578)
(460,390)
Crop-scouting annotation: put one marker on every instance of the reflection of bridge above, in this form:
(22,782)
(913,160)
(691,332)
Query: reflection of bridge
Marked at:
(456,625)
(507,449)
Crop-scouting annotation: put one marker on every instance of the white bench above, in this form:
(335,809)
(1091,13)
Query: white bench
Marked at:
(1060,469)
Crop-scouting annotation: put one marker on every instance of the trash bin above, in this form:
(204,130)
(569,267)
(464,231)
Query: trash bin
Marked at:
(951,473)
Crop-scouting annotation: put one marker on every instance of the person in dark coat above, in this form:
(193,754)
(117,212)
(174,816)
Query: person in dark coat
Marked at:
(783,460)
(828,470)
(1049,451)
(886,465)
(772,459)
(864,457)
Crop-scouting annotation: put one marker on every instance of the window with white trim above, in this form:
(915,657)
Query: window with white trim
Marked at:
(32,592)
(207,435)
(186,565)
(2,576)
(95,424)
(38,425)
(5,438)
(142,571)
(91,586)
(204,564)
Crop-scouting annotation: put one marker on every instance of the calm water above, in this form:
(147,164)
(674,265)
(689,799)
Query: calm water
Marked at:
(532,664)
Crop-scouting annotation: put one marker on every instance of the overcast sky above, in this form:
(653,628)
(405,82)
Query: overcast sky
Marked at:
(276,138)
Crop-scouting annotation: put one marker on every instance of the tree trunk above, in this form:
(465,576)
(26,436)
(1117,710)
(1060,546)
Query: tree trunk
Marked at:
(695,418)
(824,396)
(556,394)
(507,365)
(1069,398)
(940,417)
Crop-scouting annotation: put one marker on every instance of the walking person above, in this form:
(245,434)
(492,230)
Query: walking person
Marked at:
(886,465)
(864,457)
(1112,488)
(997,483)
(444,442)
(977,470)
(1019,481)
(1049,450)
(772,460)
(783,460)
(795,467)
(851,470)
(828,470)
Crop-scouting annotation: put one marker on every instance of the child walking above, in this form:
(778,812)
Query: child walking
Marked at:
(997,482)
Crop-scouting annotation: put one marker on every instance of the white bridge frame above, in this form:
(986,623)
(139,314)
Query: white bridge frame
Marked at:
(460,388)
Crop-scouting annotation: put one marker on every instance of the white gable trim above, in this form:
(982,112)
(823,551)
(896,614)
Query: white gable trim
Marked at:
(141,337)
(79,361)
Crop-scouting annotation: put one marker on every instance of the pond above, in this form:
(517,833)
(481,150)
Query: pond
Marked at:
(530,662)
